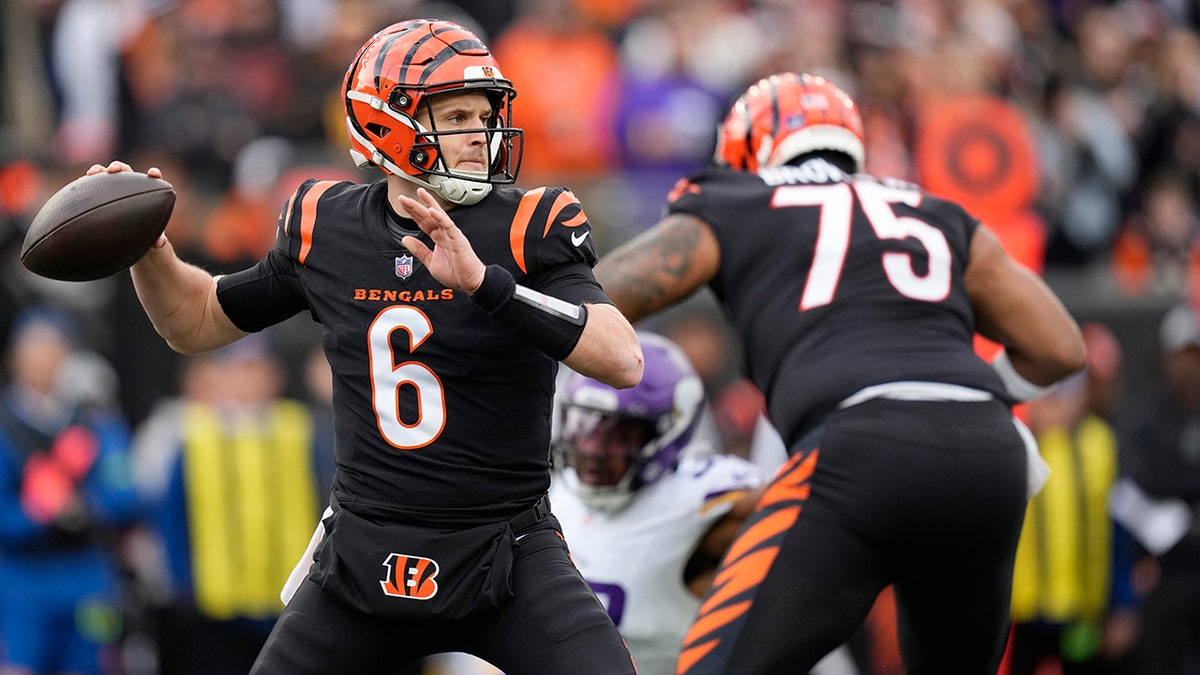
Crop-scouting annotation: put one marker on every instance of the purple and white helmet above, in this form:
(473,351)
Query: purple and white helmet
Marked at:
(643,428)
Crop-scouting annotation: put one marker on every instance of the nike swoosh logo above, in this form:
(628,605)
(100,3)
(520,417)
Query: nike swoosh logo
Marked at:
(577,240)
(521,536)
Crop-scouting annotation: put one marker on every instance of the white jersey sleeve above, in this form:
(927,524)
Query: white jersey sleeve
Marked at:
(634,558)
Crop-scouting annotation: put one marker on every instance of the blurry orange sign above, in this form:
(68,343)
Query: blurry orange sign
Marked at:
(978,151)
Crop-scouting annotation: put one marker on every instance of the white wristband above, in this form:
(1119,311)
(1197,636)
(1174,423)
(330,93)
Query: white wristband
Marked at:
(1019,388)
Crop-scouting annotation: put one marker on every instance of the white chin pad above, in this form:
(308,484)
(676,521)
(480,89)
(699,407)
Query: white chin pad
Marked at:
(459,191)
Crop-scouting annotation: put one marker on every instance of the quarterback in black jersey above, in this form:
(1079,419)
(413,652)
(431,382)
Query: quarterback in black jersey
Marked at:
(443,337)
(856,300)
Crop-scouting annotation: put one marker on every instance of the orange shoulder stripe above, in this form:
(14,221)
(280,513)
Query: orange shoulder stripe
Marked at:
(520,224)
(579,219)
(308,215)
(564,199)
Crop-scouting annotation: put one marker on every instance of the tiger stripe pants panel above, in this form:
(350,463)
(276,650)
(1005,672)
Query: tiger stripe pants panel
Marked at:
(927,496)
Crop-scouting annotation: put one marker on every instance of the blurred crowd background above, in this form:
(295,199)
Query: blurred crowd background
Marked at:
(1071,127)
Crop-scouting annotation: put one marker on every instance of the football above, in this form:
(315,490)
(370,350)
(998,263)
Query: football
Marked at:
(97,226)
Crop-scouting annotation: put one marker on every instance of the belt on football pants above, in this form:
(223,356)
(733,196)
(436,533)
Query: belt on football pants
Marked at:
(531,516)
(525,519)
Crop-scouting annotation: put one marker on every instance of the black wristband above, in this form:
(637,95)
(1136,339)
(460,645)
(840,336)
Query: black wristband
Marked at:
(496,290)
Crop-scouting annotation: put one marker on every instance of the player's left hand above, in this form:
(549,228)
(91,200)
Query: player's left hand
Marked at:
(451,261)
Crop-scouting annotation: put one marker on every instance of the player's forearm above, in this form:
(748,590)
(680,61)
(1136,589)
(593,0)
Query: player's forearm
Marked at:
(593,339)
(608,350)
(635,279)
(181,301)
(659,267)
(1014,307)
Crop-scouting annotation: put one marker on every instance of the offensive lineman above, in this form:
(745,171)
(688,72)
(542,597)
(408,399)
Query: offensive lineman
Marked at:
(856,300)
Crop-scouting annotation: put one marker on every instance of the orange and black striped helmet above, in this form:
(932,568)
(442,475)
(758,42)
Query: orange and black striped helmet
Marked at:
(787,115)
(387,86)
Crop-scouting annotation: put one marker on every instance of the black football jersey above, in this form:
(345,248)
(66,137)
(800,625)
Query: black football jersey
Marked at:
(439,408)
(838,282)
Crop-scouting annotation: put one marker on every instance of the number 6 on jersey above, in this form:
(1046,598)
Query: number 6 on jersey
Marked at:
(386,380)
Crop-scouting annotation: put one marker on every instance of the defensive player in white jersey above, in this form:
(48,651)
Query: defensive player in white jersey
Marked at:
(646,509)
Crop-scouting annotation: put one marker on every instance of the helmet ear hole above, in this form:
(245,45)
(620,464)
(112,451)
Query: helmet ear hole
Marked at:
(377,130)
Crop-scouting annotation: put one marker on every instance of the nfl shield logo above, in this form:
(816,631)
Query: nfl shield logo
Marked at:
(404,266)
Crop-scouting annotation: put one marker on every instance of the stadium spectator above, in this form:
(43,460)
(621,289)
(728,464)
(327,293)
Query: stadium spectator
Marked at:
(1088,158)
(1159,455)
(66,495)
(566,71)
(1158,252)
(1168,138)
(1073,602)
(231,471)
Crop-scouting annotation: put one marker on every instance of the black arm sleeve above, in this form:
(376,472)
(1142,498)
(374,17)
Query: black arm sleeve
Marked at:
(262,295)
(554,325)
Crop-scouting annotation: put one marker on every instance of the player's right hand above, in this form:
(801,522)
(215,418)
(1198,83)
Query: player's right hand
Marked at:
(452,260)
(117,166)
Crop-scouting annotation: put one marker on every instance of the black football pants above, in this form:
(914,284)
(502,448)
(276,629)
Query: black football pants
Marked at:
(928,496)
(553,625)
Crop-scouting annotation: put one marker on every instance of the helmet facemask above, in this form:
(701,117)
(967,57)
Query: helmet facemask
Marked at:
(651,424)
(603,455)
(503,148)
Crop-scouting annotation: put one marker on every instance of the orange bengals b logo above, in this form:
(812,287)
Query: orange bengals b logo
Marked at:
(410,576)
